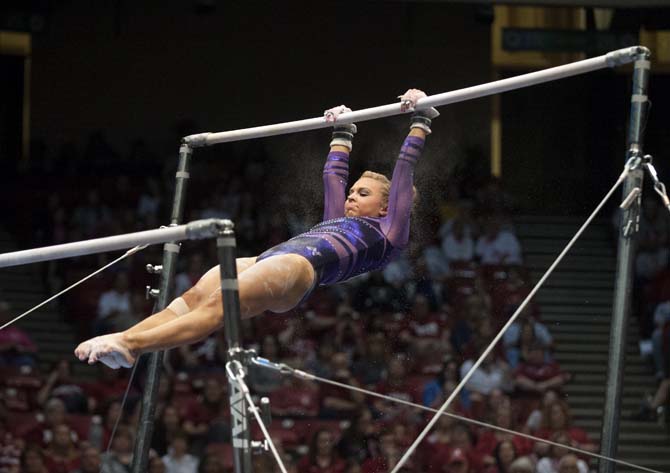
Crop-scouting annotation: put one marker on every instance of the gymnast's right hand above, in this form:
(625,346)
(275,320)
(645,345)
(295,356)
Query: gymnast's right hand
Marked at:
(343,134)
(108,349)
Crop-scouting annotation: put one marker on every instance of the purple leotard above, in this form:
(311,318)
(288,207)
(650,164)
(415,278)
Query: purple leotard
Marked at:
(342,247)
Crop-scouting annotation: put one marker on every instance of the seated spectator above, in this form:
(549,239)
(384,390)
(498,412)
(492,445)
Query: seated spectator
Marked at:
(10,447)
(497,246)
(504,455)
(522,465)
(557,421)
(90,461)
(489,440)
(437,444)
(110,385)
(156,465)
(32,460)
(436,391)
(349,332)
(456,460)
(167,427)
(359,440)
(206,419)
(492,374)
(264,381)
(560,460)
(536,376)
(535,418)
(178,460)
(368,366)
(652,240)
(54,415)
(16,347)
(653,408)
(525,331)
(120,455)
(195,269)
(62,455)
(60,385)
(337,403)
(426,332)
(660,339)
(296,397)
(396,384)
(388,456)
(322,456)
(115,310)
(212,464)
(457,243)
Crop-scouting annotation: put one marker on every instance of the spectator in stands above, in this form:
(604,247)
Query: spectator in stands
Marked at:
(178,460)
(337,403)
(10,447)
(654,407)
(456,461)
(322,456)
(427,332)
(167,427)
(497,246)
(368,367)
(156,465)
(560,460)
(59,384)
(525,330)
(186,279)
(489,440)
(504,454)
(54,415)
(457,243)
(437,443)
(115,311)
(557,421)
(120,456)
(436,391)
(90,215)
(536,376)
(388,456)
(535,419)
(265,381)
(16,346)
(359,440)
(206,418)
(32,460)
(652,240)
(492,374)
(62,455)
(660,339)
(522,465)
(212,464)
(349,332)
(90,461)
(396,384)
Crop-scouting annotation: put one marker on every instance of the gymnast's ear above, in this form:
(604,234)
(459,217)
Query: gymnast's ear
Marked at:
(384,210)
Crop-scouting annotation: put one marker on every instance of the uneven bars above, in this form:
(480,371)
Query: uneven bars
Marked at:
(198,229)
(612,59)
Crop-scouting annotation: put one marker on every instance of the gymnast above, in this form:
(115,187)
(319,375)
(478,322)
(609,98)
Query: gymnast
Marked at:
(360,232)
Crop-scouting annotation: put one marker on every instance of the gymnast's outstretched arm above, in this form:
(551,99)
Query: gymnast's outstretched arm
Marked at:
(336,168)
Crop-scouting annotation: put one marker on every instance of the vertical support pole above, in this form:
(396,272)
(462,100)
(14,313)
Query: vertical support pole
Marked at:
(240,435)
(625,267)
(170,252)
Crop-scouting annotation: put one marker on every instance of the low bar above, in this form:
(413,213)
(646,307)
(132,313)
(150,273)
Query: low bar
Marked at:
(612,59)
(196,230)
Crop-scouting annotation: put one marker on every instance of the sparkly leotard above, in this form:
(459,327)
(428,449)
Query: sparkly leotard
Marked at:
(342,247)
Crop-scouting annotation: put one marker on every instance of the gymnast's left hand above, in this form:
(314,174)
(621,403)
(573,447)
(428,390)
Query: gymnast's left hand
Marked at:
(409,99)
(108,349)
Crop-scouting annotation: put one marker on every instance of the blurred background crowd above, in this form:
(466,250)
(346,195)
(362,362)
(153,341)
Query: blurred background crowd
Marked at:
(410,331)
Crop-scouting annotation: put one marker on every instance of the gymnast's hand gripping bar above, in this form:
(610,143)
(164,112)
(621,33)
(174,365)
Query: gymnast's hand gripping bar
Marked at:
(612,59)
(196,230)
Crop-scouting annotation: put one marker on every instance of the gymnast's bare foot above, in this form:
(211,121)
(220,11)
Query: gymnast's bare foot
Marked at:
(108,349)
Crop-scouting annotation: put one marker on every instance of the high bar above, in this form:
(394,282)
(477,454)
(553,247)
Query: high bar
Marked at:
(611,59)
(198,229)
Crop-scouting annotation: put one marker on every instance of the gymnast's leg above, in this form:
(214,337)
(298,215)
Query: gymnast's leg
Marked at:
(277,284)
(192,298)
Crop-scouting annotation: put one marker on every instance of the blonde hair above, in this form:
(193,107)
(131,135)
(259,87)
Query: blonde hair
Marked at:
(386,187)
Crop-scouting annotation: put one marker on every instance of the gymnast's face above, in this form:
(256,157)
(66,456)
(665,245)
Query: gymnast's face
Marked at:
(366,199)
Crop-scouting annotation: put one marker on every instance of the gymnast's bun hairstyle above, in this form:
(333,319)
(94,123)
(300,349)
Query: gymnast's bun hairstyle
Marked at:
(386,187)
